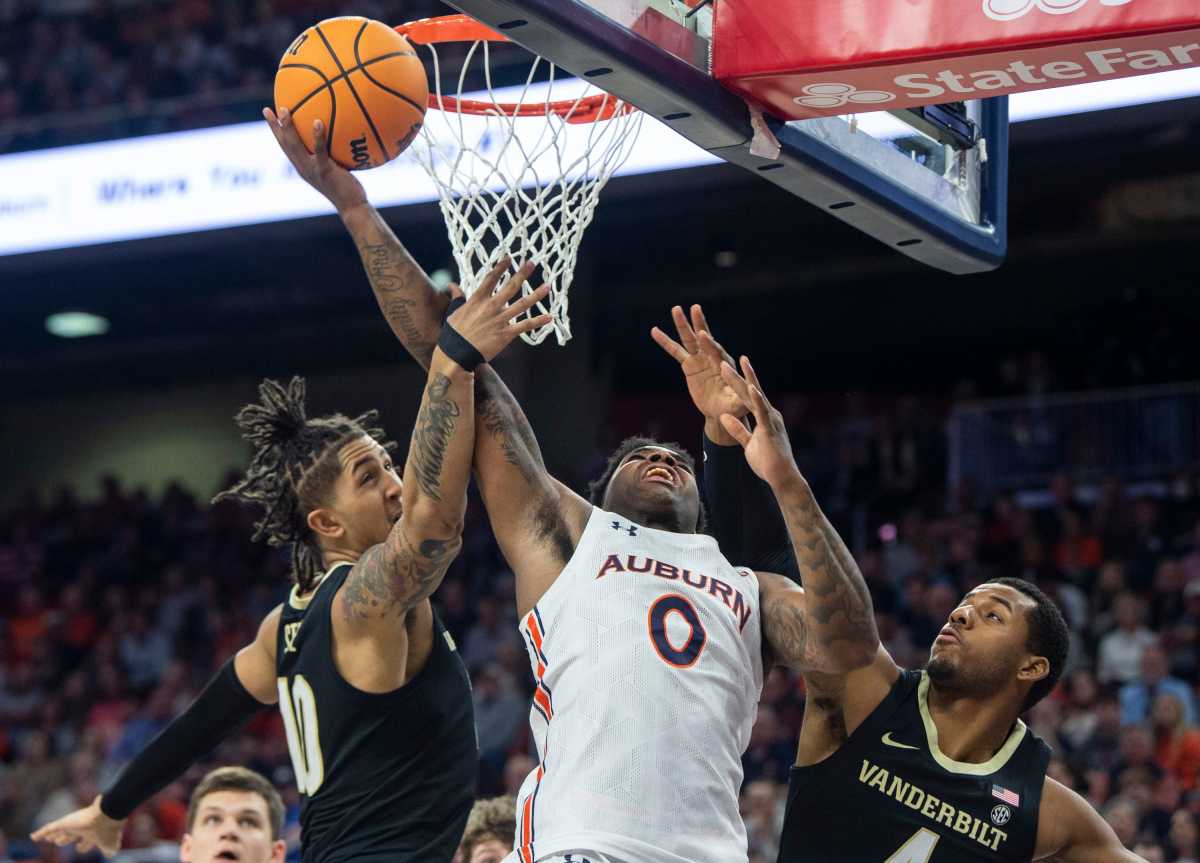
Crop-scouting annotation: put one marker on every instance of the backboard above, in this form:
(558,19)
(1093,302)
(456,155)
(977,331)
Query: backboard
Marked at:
(931,183)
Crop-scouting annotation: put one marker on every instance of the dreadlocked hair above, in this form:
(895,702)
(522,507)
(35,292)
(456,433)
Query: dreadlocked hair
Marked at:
(293,468)
(598,486)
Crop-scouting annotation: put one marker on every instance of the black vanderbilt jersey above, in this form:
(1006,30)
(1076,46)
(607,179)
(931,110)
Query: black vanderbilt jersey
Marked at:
(382,776)
(890,794)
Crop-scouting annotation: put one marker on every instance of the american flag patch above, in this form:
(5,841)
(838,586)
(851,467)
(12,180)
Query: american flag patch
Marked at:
(1009,797)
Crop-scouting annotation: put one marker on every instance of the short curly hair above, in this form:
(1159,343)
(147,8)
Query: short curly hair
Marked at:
(598,486)
(495,818)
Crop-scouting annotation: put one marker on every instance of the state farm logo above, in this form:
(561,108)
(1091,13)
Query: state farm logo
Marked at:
(834,95)
(1008,10)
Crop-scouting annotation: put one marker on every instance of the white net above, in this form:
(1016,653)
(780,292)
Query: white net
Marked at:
(525,187)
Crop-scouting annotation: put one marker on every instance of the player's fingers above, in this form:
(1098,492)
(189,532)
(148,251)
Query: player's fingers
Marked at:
(530,324)
(455,291)
(668,344)
(273,125)
(699,322)
(749,373)
(736,383)
(736,429)
(320,145)
(711,349)
(687,338)
(492,279)
(526,303)
(513,286)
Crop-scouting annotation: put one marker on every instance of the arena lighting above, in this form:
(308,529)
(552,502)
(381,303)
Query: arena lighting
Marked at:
(231,176)
(74,325)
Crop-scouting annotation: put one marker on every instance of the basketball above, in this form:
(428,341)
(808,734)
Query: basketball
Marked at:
(363,80)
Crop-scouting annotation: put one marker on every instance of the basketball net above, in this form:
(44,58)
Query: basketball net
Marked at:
(510,184)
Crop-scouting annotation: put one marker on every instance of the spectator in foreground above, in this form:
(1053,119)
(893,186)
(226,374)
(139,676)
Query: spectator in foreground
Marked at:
(491,830)
(234,810)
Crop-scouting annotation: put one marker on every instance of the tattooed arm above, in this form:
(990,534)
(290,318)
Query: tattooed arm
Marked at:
(393,576)
(390,578)
(413,307)
(409,301)
(825,629)
(829,625)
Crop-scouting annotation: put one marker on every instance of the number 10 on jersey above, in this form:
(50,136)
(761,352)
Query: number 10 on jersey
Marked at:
(299,709)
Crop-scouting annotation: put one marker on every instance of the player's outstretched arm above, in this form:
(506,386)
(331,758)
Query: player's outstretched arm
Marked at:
(392,577)
(536,519)
(742,513)
(829,625)
(1071,831)
(413,307)
(240,689)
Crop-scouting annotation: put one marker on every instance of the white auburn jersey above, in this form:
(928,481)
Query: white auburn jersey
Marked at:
(648,661)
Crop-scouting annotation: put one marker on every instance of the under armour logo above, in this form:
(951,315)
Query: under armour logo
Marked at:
(632,529)
(290,631)
(835,95)
(1008,10)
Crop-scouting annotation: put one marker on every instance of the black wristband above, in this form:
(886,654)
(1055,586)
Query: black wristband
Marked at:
(455,304)
(459,349)
(220,709)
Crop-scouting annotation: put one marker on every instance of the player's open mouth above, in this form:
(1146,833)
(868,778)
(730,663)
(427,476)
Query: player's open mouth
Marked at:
(659,474)
(228,854)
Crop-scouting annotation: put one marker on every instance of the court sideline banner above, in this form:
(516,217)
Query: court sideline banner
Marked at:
(799,59)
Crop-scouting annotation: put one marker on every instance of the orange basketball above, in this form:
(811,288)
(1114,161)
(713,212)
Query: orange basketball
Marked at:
(363,80)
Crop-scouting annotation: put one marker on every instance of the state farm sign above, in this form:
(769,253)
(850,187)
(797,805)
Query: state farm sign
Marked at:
(898,55)
(1007,10)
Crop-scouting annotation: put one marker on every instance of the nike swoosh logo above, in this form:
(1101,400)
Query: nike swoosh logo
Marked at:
(888,741)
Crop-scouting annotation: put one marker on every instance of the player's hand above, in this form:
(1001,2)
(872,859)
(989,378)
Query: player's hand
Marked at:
(85,829)
(486,319)
(700,356)
(768,449)
(329,178)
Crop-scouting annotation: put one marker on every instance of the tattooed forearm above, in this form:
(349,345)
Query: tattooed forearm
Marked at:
(432,435)
(392,577)
(505,421)
(839,615)
(412,306)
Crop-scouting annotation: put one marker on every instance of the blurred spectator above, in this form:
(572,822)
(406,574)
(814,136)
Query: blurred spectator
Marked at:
(1121,650)
(1184,838)
(500,714)
(762,809)
(491,828)
(1153,680)
(1177,741)
(490,631)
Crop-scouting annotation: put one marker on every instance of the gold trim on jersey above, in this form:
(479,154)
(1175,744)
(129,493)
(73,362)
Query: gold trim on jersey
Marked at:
(931,733)
(300,603)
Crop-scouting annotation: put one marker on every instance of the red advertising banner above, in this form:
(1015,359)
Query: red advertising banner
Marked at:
(798,59)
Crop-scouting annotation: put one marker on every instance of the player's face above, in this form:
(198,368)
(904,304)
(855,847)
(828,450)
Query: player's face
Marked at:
(982,646)
(489,851)
(367,493)
(231,825)
(655,480)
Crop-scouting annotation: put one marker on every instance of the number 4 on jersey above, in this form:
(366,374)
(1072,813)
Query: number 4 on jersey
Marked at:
(918,849)
(299,709)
